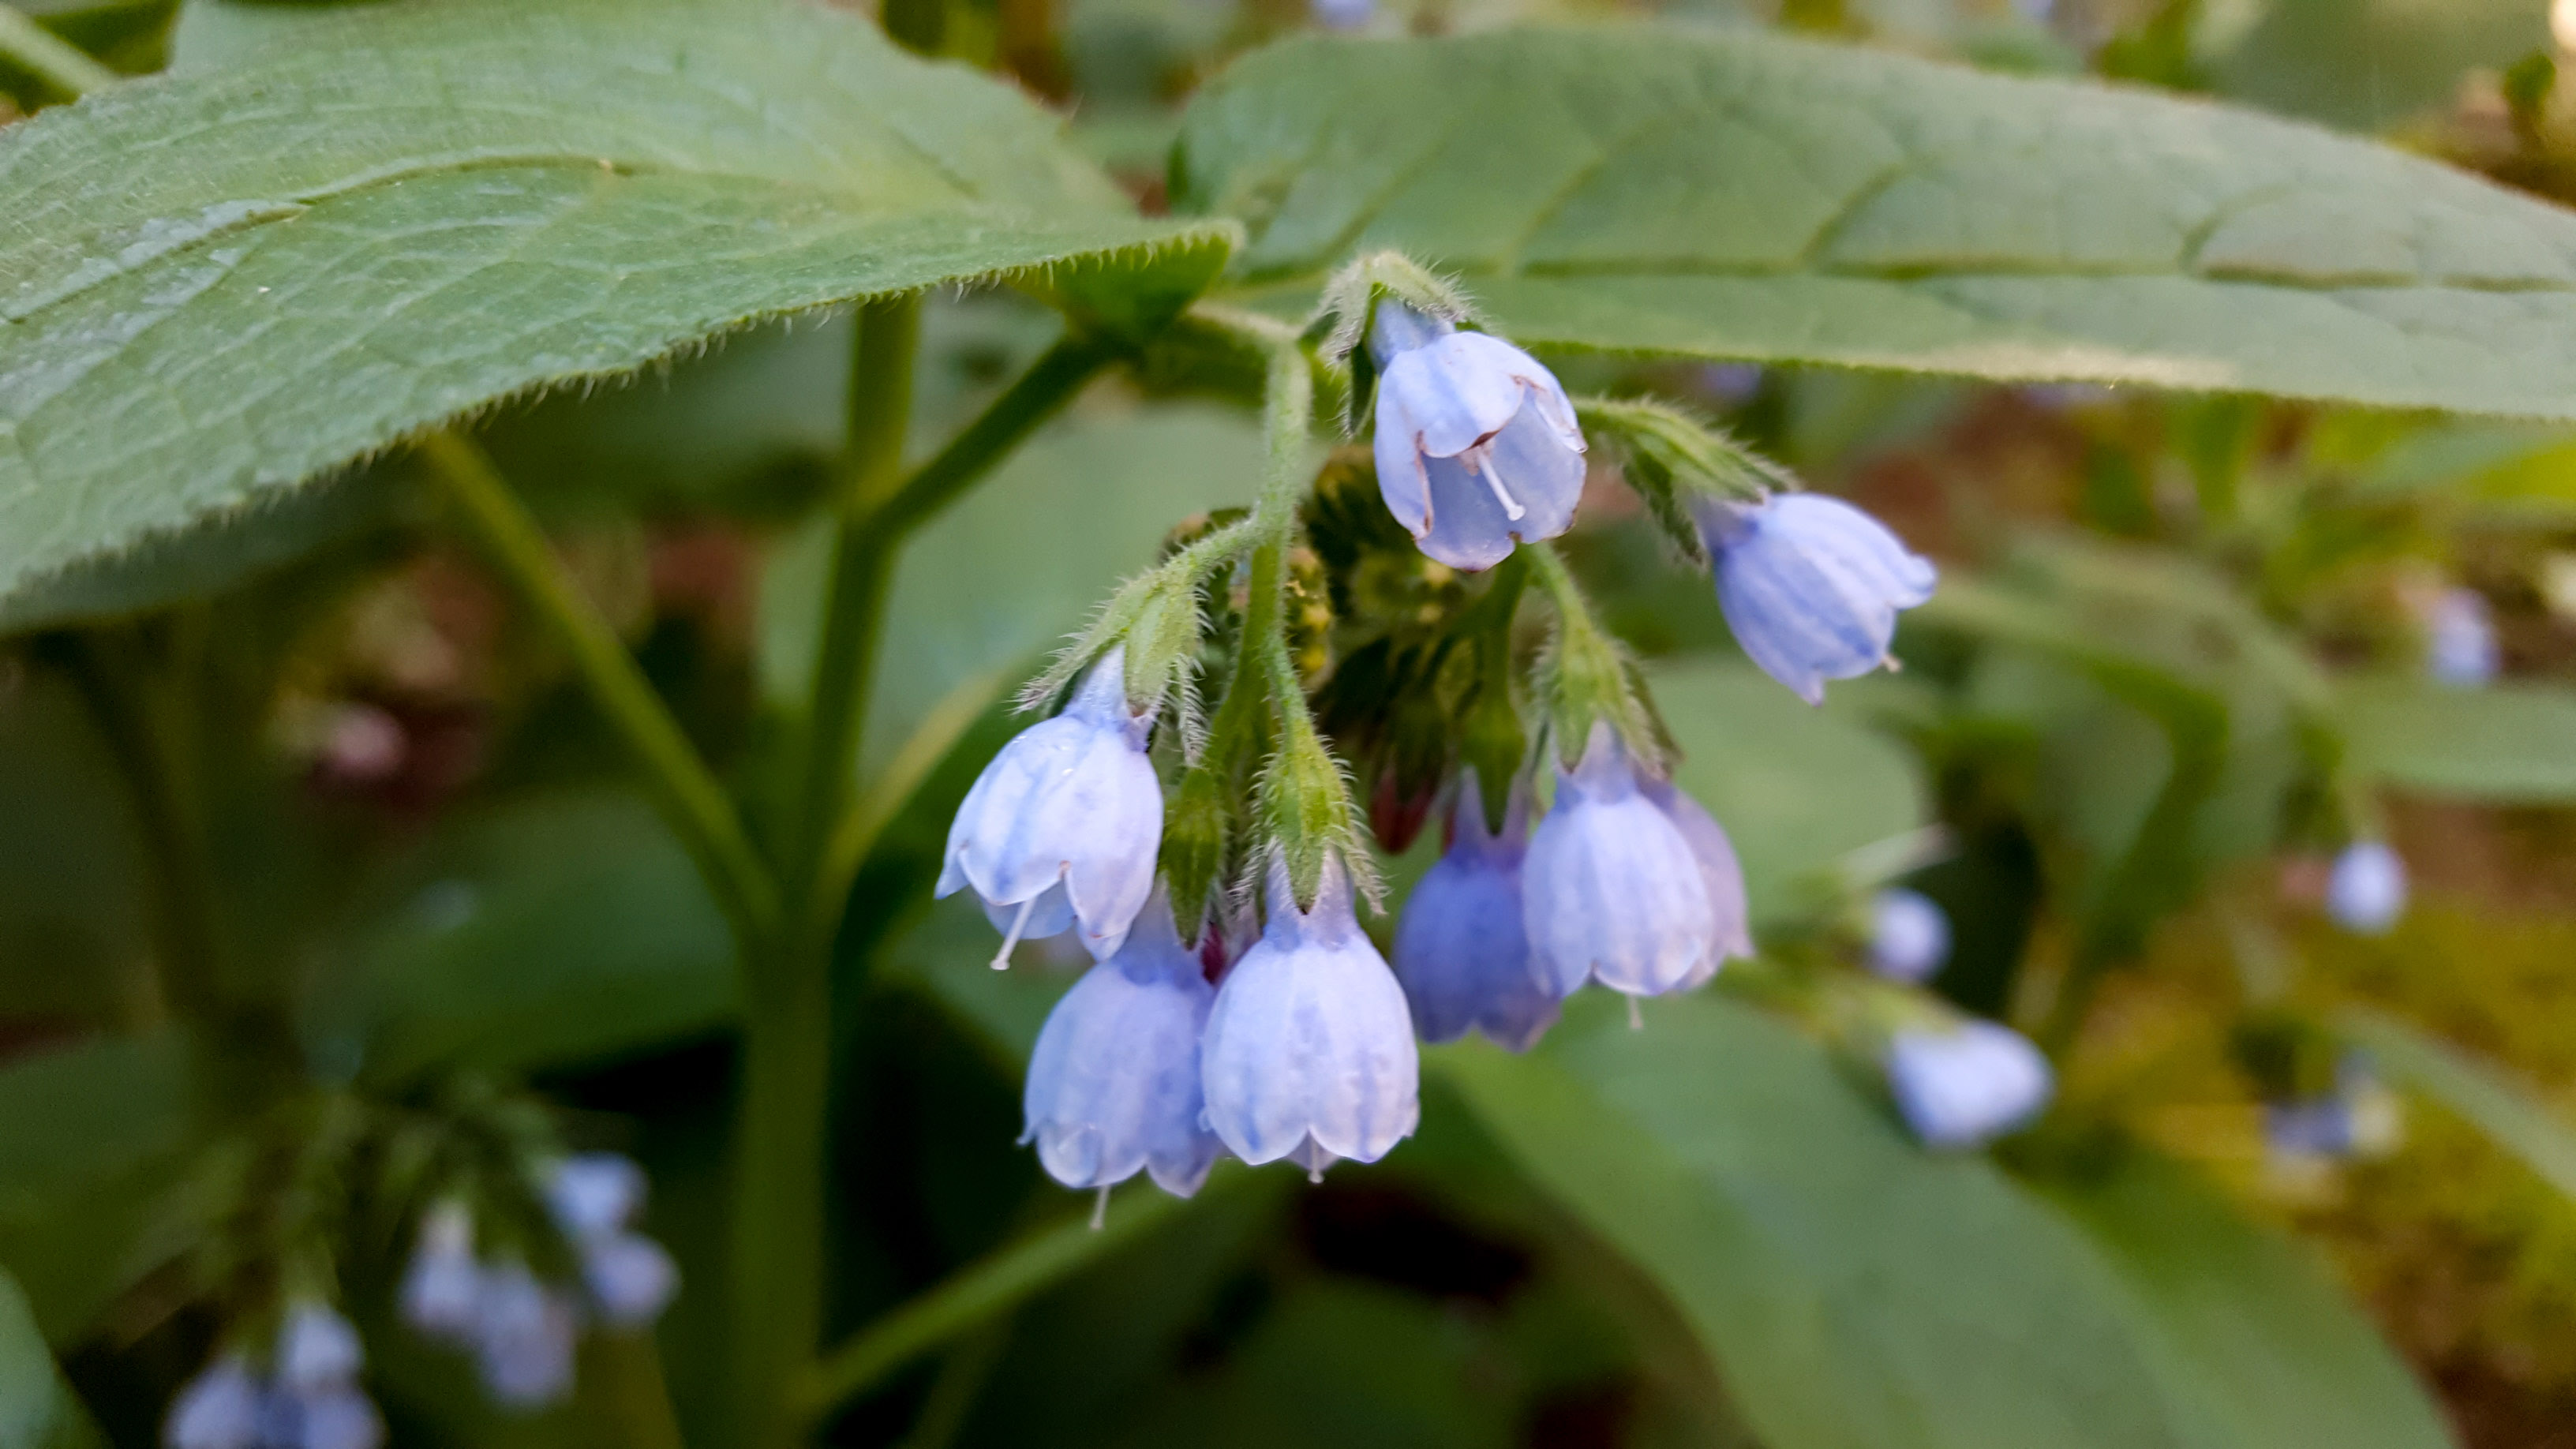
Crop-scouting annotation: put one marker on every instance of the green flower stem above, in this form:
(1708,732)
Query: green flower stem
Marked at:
(974,1295)
(690,798)
(1588,676)
(64,68)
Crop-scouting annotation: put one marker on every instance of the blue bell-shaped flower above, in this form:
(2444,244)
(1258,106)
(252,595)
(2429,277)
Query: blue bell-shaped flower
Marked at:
(1062,827)
(1462,949)
(592,1193)
(442,1286)
(1909,935)
(524,1343)
(1476,442)
(1113,1086)
(631,1278)
(333,1417)
(2460,640)
(1730,917)
(2366,892)
(317,1348)
(1309,1049)
(1810,585)
(1965,1084)
(1612,888)
(223,1407)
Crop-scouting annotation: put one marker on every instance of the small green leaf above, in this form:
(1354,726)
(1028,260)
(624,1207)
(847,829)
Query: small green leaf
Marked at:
(1735,194)
(2482,1096)
(2507,743)
(2254,1332)
(418,210)
(1855,1291)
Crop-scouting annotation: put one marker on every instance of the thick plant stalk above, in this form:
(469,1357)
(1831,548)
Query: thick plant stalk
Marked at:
(65,68)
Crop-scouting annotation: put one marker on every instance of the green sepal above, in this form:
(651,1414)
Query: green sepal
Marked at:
(1348,306)
(1198,846)
(1672,456)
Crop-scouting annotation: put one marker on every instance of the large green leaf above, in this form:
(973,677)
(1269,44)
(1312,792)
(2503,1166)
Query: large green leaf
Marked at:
(2369,62)
(218,285)
(2253,1332)
(2508,742)
(1856,1292)
(1742,195)
(89,1134)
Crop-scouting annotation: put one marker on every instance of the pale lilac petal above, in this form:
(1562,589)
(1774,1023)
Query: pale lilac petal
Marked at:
(1612,889)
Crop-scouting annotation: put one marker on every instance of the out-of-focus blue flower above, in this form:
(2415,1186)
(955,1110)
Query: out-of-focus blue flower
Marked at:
(1720,874)
(2366,892)
(1114,1085)
(1343,14)
(1462,949)
(1967,1084)
(1612,888)
(1309,1050)
(630,1277)
(336,1417)
(1063,825)
(1811,585)
(1909,936)
(316,1349)
(524,1343)
(443,1285)
(2359,1118)
(592,1193)
(223,1407)
(2460,640)
(1476,442)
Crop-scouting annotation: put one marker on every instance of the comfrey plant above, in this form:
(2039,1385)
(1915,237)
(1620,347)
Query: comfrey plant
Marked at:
(1304,1048)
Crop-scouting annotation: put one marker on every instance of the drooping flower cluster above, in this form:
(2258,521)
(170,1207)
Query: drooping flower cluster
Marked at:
(311,1399)
(520,1328)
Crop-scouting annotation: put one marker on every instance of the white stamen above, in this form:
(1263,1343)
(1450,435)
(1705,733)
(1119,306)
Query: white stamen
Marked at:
(1636,1015)
(1100,1210)
(1480,460)
(1315,1175)
(1019,923)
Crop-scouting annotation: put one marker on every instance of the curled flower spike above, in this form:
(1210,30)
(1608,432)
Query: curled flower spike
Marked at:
(1612,888)
(1462,949)
(1062,827)
(1476,442)
(223,1407)
(1113,1086)
(1309,1050)
(2366,892)
(317,1349)
(1966,1084)
(443,1285)
(1810,585)
(524,1341)
(1909,936)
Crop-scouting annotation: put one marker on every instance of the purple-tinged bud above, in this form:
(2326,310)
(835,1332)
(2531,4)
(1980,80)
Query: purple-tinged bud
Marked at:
(1309,1049)
(317,1349)
(223,1407)
(524,1344)
(1476,442)
(1967,1084)
(1062,827)
(1810,585)
(2366,891)
(1909,935)
(1114,1085)
(630,1278)
(1612,888)
(1462,948)
(442,1287)
(593,1193)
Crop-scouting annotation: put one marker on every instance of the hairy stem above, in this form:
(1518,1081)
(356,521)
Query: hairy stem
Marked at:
(687,792)
(64,68)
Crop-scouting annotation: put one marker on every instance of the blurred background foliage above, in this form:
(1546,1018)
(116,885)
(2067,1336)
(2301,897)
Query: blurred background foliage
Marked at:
(2150,603)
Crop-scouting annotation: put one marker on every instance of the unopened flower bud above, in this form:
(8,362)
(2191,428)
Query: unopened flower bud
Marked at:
(1966,1084)
(1811,585)
(1909,936)
(2366,892)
